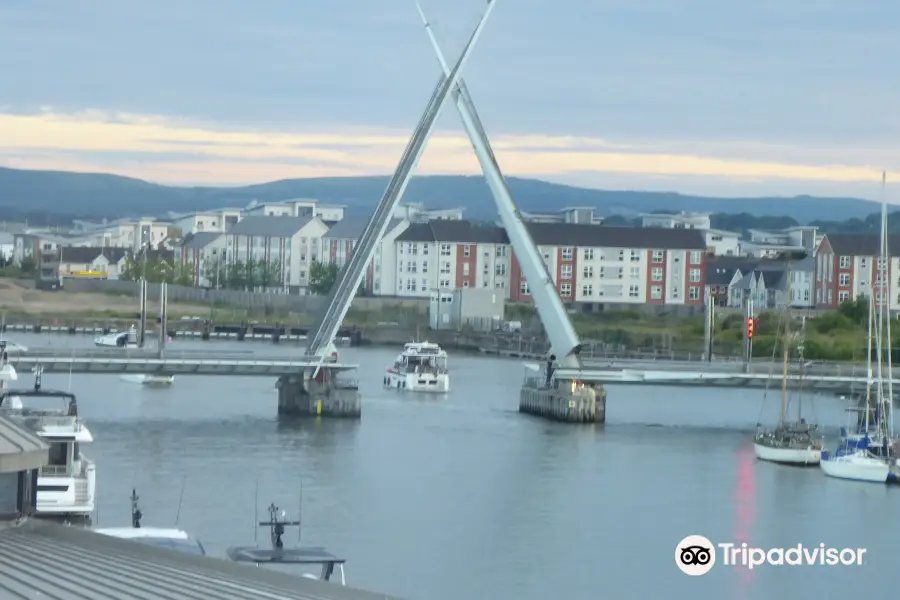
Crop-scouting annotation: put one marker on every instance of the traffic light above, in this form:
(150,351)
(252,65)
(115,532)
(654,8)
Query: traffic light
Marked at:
(750,322)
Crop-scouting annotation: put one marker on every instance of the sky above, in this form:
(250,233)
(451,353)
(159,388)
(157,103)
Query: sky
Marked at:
(713,97)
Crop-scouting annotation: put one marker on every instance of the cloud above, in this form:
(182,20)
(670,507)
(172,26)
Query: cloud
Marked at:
(171,150)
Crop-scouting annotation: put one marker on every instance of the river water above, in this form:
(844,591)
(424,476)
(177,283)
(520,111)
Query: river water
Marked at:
(463,497)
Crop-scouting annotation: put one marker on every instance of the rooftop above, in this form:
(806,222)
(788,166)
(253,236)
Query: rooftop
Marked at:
(88,254)
(200,240)
(558,234)
(269,226)
(351,228)
(47,560)
(861,244)
(20,450)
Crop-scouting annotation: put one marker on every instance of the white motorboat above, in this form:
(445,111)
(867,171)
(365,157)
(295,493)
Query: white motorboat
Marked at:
(421,367)
(118,339)
(172,538)
(150,380)
(67,484)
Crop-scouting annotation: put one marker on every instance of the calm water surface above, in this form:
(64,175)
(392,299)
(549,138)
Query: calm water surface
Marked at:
(463,497)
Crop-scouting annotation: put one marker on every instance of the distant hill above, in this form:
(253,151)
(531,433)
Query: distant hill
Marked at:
(55,197)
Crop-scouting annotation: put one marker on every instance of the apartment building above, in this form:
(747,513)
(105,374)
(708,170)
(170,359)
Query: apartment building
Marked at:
(298,207)
(220,220)
(340,240)
(848,265)
(293,242)
(200,252)
(588,264)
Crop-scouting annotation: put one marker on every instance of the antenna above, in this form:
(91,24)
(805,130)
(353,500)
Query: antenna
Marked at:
(136,515)
(180,500)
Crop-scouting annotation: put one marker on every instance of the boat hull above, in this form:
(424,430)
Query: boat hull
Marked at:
(418,382)
(793,456)
(857,468)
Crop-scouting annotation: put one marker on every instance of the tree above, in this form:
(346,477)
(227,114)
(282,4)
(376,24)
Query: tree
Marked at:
(215,272)
(27,265)
(135,268)
(183,274)
(268,275)
(236,276)
(322,277)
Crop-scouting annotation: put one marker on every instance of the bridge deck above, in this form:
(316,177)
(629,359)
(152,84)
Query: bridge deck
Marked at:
(45,560)
(113,361)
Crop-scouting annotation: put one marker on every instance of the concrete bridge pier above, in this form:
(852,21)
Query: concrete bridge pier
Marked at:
(565,401)
(324,396)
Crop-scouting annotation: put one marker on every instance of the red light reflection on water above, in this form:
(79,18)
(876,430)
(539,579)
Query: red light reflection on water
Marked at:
(745,511)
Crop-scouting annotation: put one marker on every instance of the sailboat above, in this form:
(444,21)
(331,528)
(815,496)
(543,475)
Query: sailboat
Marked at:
(870,453)
(790,442)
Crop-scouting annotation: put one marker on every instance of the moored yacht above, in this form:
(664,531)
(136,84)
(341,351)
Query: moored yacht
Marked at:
(421,367)
(118,339)
(298,556)
(66,485)
(172,538)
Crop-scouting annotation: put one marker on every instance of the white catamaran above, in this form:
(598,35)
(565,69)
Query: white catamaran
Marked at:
(870,452)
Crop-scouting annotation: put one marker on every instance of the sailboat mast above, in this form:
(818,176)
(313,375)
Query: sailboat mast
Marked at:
(888,404)
(787,345)
(869,360)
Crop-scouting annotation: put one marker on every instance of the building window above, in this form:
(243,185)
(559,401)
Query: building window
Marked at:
(621,255)
(656,274)
(658,256)
(635,255)
(500,285)
(694,292)
(676,293)
(656,292)
(844,279)
(635,272)
(425,249)
(445,268)
(465,269)
(621,273)
(695,258)
(565,271)
(587,290)
(565,290)
(845,262)
(466,283)
(634,291)
(694,275)
(588,271)
(501,251)
(567,253)
(524,288)
(588,254)
(467,250)
(445,283)
(445,249)
(501,270)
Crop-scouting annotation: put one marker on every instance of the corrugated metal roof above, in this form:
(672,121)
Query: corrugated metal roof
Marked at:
(20,450)
(269,226)
(45,560)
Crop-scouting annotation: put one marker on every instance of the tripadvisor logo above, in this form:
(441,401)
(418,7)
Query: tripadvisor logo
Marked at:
(697,555)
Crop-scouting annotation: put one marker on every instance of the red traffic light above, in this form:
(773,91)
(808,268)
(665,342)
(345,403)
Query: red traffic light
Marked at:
(750,326)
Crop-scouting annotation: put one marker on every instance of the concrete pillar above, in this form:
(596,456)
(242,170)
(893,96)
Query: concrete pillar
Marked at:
(566,402)
(302,396)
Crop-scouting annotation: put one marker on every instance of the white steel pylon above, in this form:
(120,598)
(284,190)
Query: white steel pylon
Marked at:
(321,335)
(564,342)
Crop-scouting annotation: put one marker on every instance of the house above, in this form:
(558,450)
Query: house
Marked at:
(339,242)
(765,287)
(298,207)
(290,243)
(682,220)
(722,243)
(201,253)
(78,261)
(416,212)
(592,265)
(7,245)
(771,244)
(725,277)
(847,266)
(219,220)
(585,215)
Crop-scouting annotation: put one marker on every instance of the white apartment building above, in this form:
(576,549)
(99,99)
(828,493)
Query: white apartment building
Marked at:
(682,220)
(298,207)
(219,220)
(294,242)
